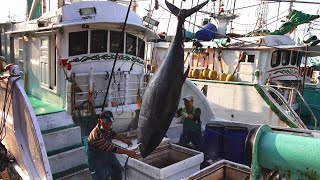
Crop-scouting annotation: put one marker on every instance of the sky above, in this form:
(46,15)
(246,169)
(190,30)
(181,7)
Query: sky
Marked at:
(244,23)
(16,10)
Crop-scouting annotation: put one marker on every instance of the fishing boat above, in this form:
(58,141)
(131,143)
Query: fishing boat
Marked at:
(64,59)
(254,78)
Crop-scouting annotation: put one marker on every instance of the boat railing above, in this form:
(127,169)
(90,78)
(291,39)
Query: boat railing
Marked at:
(123,91)
(289,99)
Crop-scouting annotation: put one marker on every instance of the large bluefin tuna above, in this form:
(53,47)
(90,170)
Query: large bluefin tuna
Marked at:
(161,98)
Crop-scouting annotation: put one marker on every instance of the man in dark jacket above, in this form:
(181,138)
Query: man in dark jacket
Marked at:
(102,161)
(190,117)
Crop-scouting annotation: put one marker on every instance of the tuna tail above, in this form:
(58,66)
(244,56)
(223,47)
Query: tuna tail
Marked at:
(176,11)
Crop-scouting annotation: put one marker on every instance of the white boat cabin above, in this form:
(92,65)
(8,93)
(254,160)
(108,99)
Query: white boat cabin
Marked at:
(66,56)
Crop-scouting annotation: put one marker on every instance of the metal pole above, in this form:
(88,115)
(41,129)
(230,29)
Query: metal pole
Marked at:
(305,70)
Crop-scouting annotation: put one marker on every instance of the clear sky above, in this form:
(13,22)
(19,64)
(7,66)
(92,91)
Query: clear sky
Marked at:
(16,10)
(13,9)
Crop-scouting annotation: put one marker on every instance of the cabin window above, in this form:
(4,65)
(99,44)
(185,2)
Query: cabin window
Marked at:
(141,47)
(285,57)
(48,61)
(78,43)
(131,45)
(251,58)
(300,55)
(275,59)
(20,61)
(115,38)
(294,57)
(99,41)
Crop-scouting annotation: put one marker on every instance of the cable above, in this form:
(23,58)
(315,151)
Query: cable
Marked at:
(116,57)
(125,168)
(195,18)
(247,41)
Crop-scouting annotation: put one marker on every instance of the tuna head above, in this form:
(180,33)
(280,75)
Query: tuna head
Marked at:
(162,96)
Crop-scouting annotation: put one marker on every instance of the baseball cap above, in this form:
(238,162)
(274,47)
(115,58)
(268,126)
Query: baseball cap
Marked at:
(107,116)
(188,98)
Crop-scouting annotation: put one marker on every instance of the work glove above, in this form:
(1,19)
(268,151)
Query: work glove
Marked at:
(184,115)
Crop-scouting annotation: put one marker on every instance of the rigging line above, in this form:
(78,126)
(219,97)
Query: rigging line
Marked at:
(161,15)
(251,6)
(276,20)
(234,5)
(140,47)
(249,42)
(278,15)
(195,18)
(116,57)
(169,20)
(190,16)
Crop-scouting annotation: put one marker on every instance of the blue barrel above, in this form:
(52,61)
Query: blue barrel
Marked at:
(234,144)
(213,141)
(206,33)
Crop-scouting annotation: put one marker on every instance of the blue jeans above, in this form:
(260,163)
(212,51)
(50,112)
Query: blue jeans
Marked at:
(104,165)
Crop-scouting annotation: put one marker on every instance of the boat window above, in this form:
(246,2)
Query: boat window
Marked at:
(250,58)
(300,55)
(285,57)
(78,45)
(115,38)
(294,56)
(275,59)
(99,41)
(141,46)
(131,45)
(20,58)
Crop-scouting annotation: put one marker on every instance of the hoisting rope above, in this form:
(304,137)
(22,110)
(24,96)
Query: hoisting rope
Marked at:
(116,57)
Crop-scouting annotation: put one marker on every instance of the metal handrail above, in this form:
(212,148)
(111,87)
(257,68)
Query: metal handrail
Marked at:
(296,117)
(308,107)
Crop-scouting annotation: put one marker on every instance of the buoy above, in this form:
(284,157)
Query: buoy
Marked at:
(205,73)
(222,77)
(190,74)
(153,68)
(232,77)
(213,74)
(201,75)
(195,73)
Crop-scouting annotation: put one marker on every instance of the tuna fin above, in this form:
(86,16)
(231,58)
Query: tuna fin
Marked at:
(185,75)
(195,9)
(174,10)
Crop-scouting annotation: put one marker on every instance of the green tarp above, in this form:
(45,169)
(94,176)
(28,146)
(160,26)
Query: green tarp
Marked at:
(296,18)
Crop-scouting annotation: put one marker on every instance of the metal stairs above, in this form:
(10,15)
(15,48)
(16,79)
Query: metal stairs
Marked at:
(66,153)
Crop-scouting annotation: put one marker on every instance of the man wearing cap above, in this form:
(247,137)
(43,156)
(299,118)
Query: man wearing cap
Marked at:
(102,161)
(190,117)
